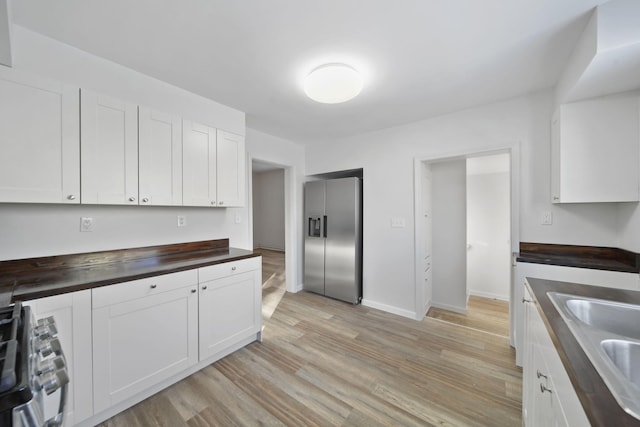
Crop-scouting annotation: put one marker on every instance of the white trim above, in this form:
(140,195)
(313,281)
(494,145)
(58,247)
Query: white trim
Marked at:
(448,307)
(514,149)
(389,309)
(489,295)
(290,247)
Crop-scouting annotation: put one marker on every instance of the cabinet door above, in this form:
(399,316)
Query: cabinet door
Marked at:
(39,140)
(109,155)
(160,163)
(199,164)
(231,169)
(72,313)
(138,343)
(230,310)
(599,151)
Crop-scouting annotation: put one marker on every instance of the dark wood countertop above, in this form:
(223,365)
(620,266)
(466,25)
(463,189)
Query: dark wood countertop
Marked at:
(32,278)
(598,402)
(594,257)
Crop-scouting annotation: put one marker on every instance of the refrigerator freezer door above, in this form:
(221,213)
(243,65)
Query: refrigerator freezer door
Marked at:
(314,201)
(342,247)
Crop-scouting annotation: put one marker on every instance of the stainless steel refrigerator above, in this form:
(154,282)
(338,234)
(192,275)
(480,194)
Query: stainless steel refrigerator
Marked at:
(333,238)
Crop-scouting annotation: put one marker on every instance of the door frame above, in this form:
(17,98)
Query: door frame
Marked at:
(291,249)
(514,150)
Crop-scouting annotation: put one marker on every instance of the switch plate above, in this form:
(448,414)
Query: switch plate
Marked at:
(86,224)
(547,218)
(182,221)
(238,219)
(397,222)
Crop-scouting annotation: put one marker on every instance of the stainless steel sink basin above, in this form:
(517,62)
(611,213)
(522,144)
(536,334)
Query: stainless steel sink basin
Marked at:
(618,318)
(609,333)
(625,355)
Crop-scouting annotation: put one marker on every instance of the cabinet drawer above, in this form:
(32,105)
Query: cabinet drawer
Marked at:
(113,294)
(230,268)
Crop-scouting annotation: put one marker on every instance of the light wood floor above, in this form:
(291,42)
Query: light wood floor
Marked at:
(484,314)
(327,363)
(273,280)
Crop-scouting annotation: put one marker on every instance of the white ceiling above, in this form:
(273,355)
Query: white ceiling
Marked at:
(420,58)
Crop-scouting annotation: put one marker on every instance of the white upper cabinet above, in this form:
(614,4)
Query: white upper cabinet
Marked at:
(109,155)
(160,162)
(231,169)
(595,150)
(199,164)
(39,140)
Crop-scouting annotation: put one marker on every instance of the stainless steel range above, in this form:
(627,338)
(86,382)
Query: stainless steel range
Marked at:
(32,365)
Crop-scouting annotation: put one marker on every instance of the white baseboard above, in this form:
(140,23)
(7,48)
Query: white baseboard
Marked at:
(448,307)
(390,309)
(268,248)
(424,310)
(489,295)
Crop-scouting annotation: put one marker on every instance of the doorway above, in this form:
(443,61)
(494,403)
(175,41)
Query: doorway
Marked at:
(448,235)
(268,213)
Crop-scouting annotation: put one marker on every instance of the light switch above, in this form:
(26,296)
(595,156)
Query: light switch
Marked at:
(547,218)
(182,221)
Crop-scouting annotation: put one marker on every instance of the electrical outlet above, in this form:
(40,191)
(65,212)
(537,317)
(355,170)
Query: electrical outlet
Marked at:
(238,219)
(182,221)
(397,222)
(86,224)
(547,218)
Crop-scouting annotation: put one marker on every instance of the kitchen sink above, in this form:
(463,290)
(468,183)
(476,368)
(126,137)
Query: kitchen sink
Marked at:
(618,318)
(609,334)
(625,355)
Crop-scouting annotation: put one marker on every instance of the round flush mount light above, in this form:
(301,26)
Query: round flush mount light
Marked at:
(333,83)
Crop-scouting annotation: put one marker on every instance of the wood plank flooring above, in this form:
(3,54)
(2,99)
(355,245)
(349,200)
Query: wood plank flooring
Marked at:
(485,314)
(327,363)
(273,280)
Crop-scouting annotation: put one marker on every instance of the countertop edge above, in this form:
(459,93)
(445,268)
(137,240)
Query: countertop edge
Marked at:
(22,293)
(597,401)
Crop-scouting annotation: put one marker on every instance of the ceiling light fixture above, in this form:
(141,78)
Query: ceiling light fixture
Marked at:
(333,83)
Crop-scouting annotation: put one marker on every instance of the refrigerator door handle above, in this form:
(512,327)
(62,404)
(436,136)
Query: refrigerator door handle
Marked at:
(324,222)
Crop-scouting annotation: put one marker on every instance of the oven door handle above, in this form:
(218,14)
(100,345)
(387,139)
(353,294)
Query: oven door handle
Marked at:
(57,420)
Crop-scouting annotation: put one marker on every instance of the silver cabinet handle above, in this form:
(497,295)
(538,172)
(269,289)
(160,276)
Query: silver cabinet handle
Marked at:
(543,389)
(233,269)
(154,286)
(193,291)
(540,374)
(526,300)
(204,287)
(132,199)
(556,198)
(221,203)
(145,200)
(213,202)
(71,197)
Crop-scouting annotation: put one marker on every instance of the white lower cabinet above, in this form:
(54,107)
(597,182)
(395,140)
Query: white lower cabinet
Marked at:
(144,331)
(72,313)
(548,398)
(152,332)
(230,305)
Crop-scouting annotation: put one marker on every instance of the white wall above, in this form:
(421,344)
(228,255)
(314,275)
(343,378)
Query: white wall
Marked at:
(488,234)
(387,158)
(31,230)
(449,246)
(268,209)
